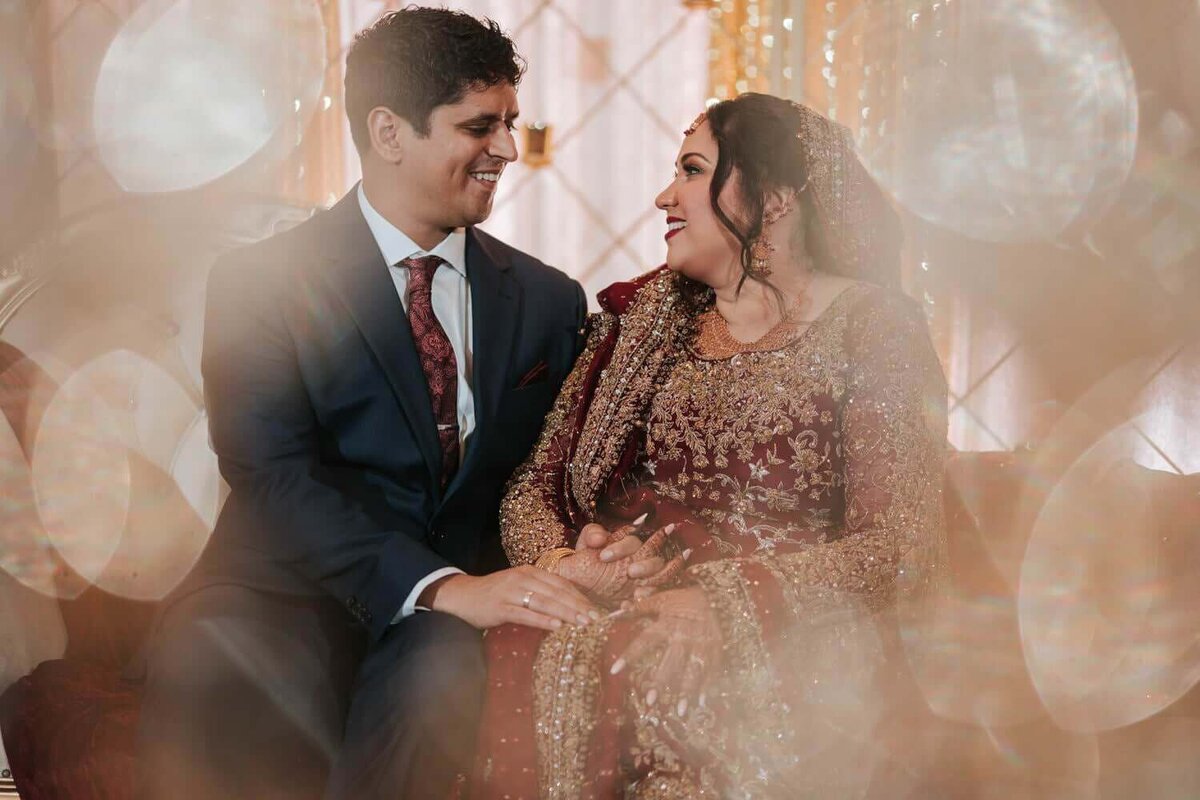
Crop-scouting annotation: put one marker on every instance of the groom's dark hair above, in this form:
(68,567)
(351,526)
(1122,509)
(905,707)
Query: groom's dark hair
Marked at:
(416,59)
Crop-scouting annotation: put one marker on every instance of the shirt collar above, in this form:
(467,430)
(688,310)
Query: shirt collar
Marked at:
(395,245)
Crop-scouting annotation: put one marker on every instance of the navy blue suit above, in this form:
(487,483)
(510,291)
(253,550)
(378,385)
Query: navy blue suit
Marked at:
(320,415)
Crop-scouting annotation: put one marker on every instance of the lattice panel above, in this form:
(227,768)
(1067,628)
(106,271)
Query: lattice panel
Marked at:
(618,82)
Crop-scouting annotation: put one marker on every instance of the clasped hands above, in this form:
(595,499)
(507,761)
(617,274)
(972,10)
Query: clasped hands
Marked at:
(617,565)
(680,627)
(680,630)
(680,643)
(605,567)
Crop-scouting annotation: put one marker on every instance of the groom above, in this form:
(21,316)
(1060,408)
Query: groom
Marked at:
(372,378)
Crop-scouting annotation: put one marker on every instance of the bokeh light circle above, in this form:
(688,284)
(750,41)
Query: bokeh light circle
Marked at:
(26,552)
(190,90)
(81,472)
(162,411)
(194,469)
(104,472)
(964,649)
(1005,120)
(188,309)
(1110,616)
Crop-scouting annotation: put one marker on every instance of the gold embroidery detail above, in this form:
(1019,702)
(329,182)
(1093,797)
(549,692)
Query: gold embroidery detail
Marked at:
(894,423)
(530,523)
(647,344)
(853,411)
(566,682)
(768,414)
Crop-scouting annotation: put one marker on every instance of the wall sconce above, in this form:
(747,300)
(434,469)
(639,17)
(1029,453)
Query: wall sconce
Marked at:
(538,147)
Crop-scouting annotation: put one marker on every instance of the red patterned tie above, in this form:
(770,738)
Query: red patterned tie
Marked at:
(437,358)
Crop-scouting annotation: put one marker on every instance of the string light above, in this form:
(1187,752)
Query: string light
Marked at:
(743,42)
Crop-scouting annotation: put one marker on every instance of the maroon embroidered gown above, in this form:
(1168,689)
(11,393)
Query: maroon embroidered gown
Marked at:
(806,469)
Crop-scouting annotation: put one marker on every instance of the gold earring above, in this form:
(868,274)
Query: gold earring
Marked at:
(760,257)
(761,247)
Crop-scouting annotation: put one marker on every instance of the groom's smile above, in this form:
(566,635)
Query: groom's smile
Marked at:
(488,179)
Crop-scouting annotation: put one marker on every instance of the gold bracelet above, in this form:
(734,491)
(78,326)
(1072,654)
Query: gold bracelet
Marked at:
(549,559)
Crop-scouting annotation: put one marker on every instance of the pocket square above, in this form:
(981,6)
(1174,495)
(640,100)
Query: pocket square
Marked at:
(536,375)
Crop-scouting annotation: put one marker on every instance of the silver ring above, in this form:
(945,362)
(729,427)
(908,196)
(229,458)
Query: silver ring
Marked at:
(525,601)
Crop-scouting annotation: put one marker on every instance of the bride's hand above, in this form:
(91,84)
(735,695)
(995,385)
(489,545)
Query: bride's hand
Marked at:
(609,565)
(685,635)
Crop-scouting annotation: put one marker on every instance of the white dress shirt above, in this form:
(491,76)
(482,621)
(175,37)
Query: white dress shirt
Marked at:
(451,297)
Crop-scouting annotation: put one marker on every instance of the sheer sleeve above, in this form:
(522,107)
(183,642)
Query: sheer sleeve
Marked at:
(533,515)
(892,427)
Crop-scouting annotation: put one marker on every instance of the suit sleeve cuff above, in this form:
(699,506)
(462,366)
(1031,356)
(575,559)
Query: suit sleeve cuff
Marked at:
(410,603)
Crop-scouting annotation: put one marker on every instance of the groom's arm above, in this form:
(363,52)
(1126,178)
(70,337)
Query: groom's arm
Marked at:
(478,600)
(264,431)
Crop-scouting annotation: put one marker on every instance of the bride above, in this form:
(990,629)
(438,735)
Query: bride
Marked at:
(771,404)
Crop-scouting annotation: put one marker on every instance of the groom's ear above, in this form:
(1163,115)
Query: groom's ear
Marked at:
(388,132)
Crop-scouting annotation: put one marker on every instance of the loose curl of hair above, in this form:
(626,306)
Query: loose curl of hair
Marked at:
(416,59)
(756,136)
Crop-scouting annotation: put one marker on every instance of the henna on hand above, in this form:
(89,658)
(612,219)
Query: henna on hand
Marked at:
(613,579)
(684,634)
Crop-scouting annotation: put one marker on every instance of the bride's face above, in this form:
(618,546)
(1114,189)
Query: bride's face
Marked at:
(698,245)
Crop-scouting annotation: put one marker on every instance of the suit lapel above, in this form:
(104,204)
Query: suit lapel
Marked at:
(358,273)
(495,308)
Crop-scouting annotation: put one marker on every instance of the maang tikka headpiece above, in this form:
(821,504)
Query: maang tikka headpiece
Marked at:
(703,115)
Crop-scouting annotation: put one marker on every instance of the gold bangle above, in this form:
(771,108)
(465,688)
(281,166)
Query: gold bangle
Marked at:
(549,559)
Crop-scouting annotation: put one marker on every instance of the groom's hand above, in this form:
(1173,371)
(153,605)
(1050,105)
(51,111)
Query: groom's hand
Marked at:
(523,595)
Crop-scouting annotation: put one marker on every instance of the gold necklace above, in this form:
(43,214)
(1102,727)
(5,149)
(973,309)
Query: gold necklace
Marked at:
(714,341)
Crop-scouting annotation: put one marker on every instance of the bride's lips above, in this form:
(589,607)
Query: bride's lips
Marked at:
(672,231)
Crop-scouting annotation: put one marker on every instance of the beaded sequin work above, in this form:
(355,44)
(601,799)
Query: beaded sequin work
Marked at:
(816,469)
(810,464)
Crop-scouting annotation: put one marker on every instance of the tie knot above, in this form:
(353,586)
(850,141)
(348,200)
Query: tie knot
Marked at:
(420,272)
